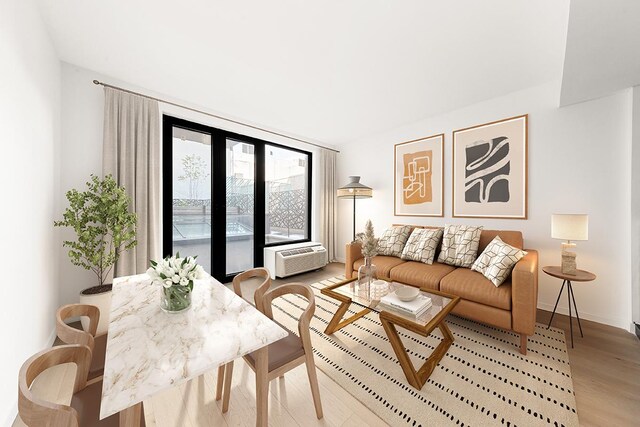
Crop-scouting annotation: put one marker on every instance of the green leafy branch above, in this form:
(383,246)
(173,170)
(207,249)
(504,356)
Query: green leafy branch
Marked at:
(103,225)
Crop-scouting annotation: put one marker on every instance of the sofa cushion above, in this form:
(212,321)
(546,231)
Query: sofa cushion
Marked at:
(422,245)
(383,264)
(392,241)
(497,260)
(473,286)
(420,274)
(460,245)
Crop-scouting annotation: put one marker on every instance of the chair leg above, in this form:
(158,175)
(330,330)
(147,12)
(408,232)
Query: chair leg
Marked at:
(220,382)
(313,382)
(228,373)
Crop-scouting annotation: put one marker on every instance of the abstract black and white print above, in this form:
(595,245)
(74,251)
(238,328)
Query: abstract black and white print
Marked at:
(487,169)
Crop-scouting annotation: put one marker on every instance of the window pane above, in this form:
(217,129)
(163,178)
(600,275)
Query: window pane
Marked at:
(192,195)
(287,195)
(240,202)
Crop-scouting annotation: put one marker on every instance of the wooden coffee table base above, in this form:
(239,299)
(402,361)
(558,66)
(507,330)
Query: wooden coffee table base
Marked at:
(336,324)
(389,320)
(417,378)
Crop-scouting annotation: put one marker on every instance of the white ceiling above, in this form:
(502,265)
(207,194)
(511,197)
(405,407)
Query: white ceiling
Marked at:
(332,70)
(603,49)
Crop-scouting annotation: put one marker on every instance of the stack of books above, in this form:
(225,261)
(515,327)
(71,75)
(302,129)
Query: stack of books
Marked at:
(414,307)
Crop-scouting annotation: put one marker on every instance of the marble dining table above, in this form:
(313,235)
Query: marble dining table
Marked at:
(149,350)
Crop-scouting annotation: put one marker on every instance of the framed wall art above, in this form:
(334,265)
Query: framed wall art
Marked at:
(490,170)
(418,177)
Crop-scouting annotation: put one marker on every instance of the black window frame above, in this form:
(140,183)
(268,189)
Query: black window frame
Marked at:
(218,187)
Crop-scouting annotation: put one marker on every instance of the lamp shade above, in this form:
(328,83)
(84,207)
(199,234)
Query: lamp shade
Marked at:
(570,226)
(354,188)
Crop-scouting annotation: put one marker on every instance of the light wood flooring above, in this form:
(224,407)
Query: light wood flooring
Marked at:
(605,366)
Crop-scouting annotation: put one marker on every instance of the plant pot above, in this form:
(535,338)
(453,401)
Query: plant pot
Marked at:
(100,296)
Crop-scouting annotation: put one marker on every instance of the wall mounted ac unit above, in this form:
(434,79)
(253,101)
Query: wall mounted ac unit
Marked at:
(287,260)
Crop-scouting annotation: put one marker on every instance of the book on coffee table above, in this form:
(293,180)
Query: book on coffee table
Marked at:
(414,307)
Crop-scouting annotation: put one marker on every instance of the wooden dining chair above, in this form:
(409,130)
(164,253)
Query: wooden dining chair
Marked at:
(84,409)
(289,352)
(261,273)
(71,335)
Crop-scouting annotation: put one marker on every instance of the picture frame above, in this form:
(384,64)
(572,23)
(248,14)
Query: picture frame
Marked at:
(418,187)
(490,170)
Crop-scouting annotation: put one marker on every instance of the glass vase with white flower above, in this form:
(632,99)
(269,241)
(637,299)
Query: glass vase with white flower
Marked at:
(175,275)
(367,271)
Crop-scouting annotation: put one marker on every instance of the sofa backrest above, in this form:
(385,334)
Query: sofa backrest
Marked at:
(511,237)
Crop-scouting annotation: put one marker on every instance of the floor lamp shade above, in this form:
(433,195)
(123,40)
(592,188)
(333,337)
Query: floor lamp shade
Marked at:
(354,190)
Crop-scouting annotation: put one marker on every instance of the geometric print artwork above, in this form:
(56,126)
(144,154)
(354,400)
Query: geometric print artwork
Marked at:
(416,179)
(497,261)
(392,241)
(487,168)
(490,170)
(460,245)
(422,245)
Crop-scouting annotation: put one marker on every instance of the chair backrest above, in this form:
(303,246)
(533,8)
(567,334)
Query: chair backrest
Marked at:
(70,335)
(260,272)
(34,411)
(306,316)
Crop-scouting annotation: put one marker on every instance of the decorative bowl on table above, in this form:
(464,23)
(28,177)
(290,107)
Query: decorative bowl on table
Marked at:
(378,289)
(407,293)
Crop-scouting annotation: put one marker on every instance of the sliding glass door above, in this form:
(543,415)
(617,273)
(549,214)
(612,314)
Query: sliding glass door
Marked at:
(192,194)
(240,207)
(226,196)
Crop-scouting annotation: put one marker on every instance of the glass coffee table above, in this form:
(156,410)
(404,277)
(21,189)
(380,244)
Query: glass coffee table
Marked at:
(351,292)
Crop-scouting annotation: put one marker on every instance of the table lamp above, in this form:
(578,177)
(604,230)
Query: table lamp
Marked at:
(569,227)
(354,190)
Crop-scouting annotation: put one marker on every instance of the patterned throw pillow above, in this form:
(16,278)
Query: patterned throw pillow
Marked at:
(422,245)
(393,239)
(497,261)
(460,245)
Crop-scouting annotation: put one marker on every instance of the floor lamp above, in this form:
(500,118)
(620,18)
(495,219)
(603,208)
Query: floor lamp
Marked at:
(354,190)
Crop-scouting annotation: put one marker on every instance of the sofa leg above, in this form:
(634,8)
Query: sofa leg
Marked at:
(523,344)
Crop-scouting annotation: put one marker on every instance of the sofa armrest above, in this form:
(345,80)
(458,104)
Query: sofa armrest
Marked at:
(353,253)
(524,293)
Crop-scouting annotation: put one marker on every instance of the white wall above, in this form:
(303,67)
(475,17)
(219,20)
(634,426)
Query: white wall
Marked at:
(30,124)
(635,206)
(82,114)
(579,162)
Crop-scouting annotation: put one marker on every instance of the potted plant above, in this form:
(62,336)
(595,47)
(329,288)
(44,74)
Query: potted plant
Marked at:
(104,228)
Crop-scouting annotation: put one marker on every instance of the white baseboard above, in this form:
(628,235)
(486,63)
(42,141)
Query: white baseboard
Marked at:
(340,259)
(617,323)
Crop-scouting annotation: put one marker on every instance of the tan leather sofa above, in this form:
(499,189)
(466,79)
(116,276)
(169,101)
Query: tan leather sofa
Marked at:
(510,306)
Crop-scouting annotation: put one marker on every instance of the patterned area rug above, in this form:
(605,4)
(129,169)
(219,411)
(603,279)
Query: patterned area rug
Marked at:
(482,380)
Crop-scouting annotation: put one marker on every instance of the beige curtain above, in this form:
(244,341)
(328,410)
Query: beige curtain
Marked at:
(131,153)
(328,213)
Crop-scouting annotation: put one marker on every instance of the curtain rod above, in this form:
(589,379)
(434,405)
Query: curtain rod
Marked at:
(97,82)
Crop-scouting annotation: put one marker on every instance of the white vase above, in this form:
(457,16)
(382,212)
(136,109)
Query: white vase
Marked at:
(103,302)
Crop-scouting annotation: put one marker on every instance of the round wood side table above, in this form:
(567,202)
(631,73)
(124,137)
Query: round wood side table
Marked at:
(580,276)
